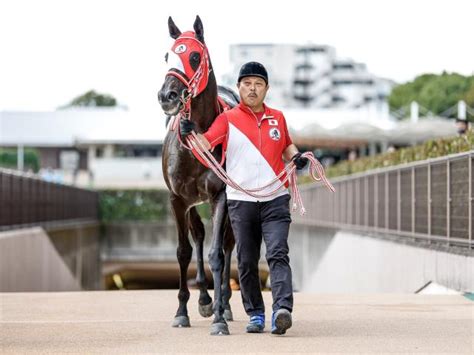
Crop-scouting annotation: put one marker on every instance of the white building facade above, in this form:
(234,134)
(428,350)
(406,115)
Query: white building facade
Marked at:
(311,76)
(91,147)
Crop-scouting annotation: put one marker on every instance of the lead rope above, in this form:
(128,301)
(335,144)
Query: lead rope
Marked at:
(289,172)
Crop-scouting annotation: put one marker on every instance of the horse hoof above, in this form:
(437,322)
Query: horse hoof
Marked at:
(205,310)
(181,322)
(219,329)
(228,315)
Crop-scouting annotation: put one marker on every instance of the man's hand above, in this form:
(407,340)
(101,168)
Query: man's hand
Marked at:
(299,161)
(186,127)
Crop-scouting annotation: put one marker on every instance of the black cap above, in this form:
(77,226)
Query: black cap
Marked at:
(253,69)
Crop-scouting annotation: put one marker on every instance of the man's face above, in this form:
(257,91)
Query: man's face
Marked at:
(252,90)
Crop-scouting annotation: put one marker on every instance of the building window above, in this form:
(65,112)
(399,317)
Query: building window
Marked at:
(342,66)
(337,99)
(138,151)
(69,160)
(342,82)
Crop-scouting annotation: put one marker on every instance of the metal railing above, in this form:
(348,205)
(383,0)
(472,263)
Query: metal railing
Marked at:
(429,199)
(26,200)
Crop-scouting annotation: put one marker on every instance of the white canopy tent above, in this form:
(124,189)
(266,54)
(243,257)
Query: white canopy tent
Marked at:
(366,125)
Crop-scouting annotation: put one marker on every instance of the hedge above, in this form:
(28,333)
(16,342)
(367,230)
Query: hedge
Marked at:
(429,149)
(133,205)
(139,205)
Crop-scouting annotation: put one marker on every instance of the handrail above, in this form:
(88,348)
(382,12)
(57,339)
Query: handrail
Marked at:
(26,200)
(428,199)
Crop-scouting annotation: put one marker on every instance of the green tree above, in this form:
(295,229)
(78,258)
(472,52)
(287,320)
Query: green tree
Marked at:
(435,92)
(92,99)
(8,158)
(469,96)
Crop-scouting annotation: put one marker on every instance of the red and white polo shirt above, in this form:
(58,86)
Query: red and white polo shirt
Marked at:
(254,146)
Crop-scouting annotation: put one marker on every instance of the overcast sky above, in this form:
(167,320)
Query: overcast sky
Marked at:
(52,51)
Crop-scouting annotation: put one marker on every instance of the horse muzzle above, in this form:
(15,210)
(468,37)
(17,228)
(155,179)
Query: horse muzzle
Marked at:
(170,101)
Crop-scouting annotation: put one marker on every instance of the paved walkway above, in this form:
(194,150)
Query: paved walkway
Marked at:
(139,321)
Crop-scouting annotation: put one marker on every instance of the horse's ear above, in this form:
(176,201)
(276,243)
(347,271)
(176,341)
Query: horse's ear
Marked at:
(174,30)
(199,29)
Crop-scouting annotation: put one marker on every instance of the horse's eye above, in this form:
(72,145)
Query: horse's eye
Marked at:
(195,57)
(166,57)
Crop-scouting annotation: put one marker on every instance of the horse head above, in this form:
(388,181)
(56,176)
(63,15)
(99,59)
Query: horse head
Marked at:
(188,68)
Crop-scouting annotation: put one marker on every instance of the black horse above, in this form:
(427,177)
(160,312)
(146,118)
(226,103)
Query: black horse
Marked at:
(190,183)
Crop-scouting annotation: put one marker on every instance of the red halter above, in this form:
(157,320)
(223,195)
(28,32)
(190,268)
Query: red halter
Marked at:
(186,44)
(180,68)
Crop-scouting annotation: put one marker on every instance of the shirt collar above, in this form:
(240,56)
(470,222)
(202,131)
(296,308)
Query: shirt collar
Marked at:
(247,109)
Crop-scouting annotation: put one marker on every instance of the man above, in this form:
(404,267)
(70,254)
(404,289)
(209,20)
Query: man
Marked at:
(255,138)
(462,125)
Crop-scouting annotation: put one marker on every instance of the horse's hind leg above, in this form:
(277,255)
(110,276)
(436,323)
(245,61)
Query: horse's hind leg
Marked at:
(184,254)
(229,243)
(216,261)
(197,231)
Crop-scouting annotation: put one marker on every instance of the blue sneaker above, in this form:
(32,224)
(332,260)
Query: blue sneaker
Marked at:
(256,324)
(281,321)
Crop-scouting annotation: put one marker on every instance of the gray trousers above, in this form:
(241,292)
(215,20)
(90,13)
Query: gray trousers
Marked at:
(250,222)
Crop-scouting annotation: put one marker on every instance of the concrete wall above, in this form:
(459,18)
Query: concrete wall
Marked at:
(79,247)
(145,172)
(329,261)
(29,262)
(144,241)
(61,257)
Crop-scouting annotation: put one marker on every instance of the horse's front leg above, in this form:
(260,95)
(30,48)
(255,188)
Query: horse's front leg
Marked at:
(197,231)
(216,261)
(184,254)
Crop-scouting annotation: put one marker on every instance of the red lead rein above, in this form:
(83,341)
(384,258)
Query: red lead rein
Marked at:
(290,171)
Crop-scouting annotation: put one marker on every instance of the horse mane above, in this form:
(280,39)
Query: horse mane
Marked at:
(228,95)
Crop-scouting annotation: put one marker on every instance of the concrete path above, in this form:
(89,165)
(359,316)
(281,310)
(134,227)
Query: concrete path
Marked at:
(139,322)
